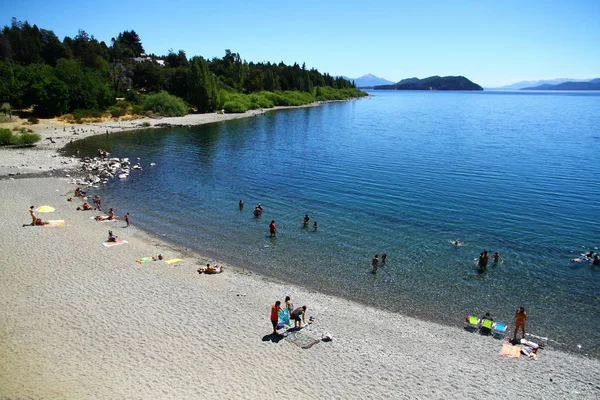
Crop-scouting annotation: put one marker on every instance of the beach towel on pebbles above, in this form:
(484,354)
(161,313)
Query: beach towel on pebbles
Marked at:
(510,351)
(112,244)
(56,222)
(301,339)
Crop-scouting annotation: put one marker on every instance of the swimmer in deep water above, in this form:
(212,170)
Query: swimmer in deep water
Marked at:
(456,243)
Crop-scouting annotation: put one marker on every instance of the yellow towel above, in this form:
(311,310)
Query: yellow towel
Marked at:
(173,260)
(510,351)
(56,222)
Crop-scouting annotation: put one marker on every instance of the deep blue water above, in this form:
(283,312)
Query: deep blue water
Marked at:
(401,173)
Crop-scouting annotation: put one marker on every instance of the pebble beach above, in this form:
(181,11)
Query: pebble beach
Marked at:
(80,320)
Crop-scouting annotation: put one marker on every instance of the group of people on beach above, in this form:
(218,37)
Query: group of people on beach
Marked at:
(296,314)
(520,318)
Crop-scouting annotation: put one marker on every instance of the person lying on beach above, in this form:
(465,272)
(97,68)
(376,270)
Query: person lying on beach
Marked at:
(216,269)
(85,207)
(39,222)
(99,218)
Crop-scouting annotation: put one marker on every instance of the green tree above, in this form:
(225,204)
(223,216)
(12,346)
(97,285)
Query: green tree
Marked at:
(202,86)
(48,95)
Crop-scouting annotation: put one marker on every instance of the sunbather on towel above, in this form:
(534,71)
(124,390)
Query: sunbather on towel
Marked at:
(216,269)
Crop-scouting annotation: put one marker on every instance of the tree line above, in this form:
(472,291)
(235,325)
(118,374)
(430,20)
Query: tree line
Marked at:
(55,77)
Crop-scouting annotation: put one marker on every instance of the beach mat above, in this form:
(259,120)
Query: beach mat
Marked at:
(56,222)
(144,260)
(173,260)
(105,220)
(301,339)
(510,351)
(117,243)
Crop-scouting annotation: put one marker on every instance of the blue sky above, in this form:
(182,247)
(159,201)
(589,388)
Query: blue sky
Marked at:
(493,43)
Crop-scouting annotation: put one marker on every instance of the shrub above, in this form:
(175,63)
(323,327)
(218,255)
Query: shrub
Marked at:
(16,128)
(26,139)
(117,112)
(137,110)
(33,120)
(164,104)
(260,101)
(78,115)
(6,136)
(145,124)
(234,107)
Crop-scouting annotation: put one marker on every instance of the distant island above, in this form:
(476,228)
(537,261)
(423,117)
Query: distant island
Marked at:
(367,81)
(432,83)
(593,84)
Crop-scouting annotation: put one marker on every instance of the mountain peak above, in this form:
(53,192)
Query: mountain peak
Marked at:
(368,81)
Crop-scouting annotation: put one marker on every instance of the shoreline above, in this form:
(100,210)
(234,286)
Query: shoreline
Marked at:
(84,321)
(45,155)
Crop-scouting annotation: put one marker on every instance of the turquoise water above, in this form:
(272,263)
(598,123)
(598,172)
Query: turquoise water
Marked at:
(401,173)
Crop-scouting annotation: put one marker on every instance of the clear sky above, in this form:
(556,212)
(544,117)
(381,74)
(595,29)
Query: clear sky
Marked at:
(493,43)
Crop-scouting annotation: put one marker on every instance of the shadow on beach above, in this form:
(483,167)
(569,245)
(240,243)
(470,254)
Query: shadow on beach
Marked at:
(272,337)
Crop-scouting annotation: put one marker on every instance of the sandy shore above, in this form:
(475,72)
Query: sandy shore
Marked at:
(82,321)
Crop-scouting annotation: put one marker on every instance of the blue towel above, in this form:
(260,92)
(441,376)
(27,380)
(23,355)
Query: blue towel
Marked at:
(284,317)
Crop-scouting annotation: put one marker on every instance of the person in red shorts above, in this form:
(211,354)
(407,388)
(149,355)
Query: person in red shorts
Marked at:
(273,228)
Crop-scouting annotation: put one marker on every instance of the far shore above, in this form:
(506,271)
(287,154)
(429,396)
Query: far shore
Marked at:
(85,321)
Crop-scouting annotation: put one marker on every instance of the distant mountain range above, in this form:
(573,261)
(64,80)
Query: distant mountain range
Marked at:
(432,83)
(368,81)
(593,84)
(528,84)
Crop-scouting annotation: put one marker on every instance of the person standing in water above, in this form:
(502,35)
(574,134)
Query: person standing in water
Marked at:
(272,228)
(384,259)
(483,261)
(306,220)
(375,263)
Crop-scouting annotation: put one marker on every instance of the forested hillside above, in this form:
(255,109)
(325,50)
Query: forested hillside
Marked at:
(82,75)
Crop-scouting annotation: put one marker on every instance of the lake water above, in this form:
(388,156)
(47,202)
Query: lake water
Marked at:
(402,173)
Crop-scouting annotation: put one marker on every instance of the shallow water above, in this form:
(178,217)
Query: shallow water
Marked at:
(402,173)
